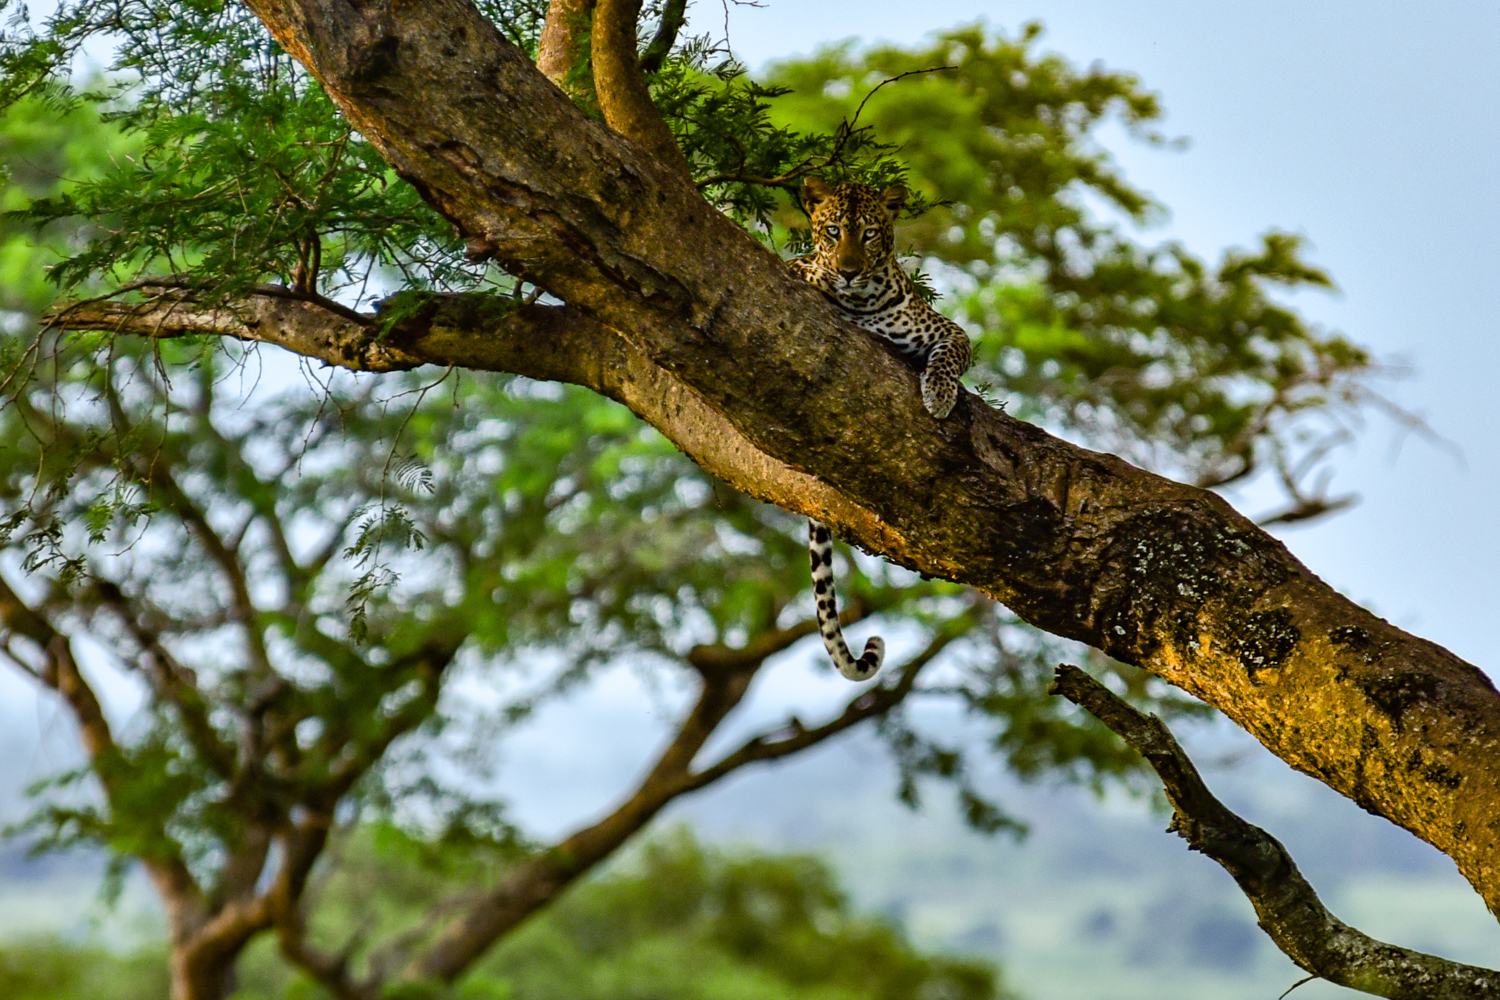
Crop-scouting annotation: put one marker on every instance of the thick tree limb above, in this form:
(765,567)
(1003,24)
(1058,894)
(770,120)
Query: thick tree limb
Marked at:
(294,323)
(1081,544)
(489,333)
(1289,910)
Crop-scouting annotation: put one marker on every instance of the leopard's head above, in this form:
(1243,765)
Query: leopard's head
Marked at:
(853,227)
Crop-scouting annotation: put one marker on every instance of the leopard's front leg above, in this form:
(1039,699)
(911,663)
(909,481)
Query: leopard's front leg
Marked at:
(946,363)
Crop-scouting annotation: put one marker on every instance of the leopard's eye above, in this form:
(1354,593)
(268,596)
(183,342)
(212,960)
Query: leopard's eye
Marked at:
(832,231)
(870,234)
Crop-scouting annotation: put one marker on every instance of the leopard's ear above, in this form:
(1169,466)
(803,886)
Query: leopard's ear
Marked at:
(815,192)
(893,198)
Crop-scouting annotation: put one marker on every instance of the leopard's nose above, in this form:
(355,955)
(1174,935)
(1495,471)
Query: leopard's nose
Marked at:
(848,275)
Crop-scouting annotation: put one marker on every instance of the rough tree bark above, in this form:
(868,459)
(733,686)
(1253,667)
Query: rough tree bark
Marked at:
(676,311)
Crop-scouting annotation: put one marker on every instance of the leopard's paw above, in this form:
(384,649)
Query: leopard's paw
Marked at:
(939,393)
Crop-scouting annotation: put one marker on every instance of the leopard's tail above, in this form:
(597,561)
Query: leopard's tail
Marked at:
(820,554)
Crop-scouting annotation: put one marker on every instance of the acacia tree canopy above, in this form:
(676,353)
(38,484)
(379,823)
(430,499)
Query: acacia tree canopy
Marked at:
(258,198)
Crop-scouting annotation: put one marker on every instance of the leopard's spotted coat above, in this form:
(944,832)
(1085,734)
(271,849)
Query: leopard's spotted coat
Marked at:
(854,263)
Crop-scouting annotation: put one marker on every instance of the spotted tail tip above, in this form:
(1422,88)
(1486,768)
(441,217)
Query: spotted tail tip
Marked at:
(868,665)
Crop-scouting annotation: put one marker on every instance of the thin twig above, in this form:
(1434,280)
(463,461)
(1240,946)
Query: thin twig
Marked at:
(882,83)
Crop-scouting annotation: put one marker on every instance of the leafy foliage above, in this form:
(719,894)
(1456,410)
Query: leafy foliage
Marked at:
(539,519)
(246,173)
(674,921)
(44,154)
(315,548)
(272,187)
(746,163)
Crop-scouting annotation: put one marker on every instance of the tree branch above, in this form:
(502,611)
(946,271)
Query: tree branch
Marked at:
(60,673)
(172,681)
(1289,910)
(793,737)
(623,95)
(16,659)
(429,662)
(302,844)
(537,881)
(561,46)
(331,971)
(303,327)
(220,938)
(154,474)
(673,16)
(485,332)
(179,892)
(296,578)
(243,865)
(719,659)
(727,675)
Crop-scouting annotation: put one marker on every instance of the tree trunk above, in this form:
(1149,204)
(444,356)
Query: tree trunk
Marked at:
(193,978)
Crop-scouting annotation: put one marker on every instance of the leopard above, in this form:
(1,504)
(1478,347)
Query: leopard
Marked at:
(853,262)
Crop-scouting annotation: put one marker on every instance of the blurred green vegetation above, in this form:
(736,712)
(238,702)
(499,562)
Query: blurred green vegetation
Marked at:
(673,921)
(51,969)
(47,152)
